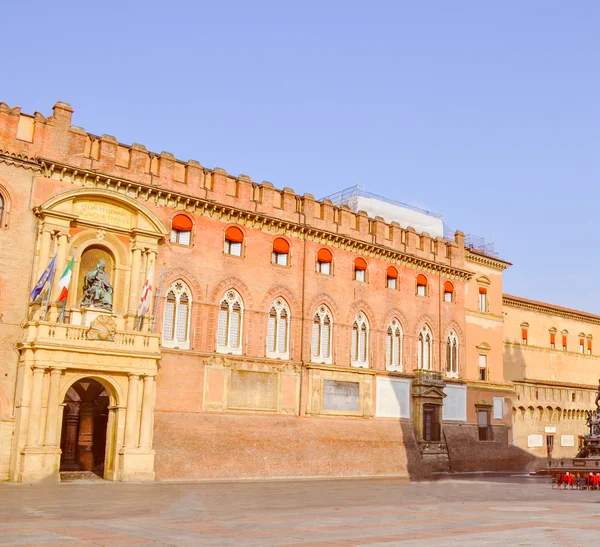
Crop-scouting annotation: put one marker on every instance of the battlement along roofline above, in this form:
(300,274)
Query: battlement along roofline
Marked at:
(55,141)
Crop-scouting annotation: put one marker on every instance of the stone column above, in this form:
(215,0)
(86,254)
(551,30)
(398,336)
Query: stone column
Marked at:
(147,412)
(44,252)
(136,263)
(131,415)
(85,441)
(35,407)
(51,436)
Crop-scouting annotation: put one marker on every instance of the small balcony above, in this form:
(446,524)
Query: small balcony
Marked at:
(61,335)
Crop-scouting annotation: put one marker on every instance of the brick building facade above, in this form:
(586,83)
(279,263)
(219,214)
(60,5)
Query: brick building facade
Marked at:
(293,338)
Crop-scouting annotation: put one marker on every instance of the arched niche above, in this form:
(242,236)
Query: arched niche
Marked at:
(90,258)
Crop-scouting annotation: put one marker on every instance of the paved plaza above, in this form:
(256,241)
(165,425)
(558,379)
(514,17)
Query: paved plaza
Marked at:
(465,511)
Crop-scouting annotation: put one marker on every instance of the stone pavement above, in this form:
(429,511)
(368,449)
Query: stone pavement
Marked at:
(465,511)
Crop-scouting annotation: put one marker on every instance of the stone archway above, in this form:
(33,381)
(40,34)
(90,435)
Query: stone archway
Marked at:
(84,427)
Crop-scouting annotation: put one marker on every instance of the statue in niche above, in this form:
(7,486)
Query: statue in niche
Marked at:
(97,290)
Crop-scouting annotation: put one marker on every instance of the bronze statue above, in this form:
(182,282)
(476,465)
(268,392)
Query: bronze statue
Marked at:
(97,290)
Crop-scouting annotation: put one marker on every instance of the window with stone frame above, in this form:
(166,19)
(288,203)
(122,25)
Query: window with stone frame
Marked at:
(393,346)
(234,238)
(278,330)
(448,291)
(324,262)
(360,341)
(176,316)
(281,252)
(230,323)
(424,347)
(452,368)
(391,278)
(181,230)
(322,329)
(360,269)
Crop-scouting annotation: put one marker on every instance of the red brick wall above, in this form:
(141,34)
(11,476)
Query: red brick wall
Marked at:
(201,446)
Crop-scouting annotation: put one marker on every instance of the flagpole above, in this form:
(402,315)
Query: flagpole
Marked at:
(50,286)
(61,317)
(150,272)
(162,275)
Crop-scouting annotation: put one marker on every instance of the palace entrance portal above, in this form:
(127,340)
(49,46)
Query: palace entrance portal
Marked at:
(84,427)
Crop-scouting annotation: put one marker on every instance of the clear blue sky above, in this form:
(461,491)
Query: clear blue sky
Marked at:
(486,112)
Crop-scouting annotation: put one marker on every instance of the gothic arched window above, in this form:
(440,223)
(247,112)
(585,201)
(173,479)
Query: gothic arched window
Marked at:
(360,341)
(424,345)
(393,346)
(278,330)
(229,330)
(176,316)
(452,354)
(321,336)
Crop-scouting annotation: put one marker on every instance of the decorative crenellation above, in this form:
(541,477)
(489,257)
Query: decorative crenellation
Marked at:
(48,143)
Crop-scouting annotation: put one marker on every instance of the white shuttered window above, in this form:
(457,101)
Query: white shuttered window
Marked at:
(393,346)
(424,344)
(360,341)
(278,330)
(321,336)
(176,316)
(229,329)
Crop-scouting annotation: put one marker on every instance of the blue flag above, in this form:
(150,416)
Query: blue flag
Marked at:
(39,287)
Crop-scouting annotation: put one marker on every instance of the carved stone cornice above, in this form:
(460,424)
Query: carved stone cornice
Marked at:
(543,307)
(486,260)
(20,160)
(253,365)
(198,205)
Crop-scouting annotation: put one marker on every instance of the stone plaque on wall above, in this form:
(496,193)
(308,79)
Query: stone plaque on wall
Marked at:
(535,441)
(103,213)
(341,396)
(393,397)
(253,390)
(455,403)
(567,440)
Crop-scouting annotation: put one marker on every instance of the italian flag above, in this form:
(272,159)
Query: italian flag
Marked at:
(65,281)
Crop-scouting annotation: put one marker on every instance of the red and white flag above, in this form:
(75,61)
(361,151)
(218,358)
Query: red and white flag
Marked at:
(146,297)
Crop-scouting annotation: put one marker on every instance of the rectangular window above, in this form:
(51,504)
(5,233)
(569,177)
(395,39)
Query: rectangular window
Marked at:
(589,347)
(324,267)
(447,297)
(232,248)
(524,336)
(279,258)
(483,370)
(315,339)
(234,332)
(421,290)
(169,321)
(581,346)
(182,322)
(483,422)
(271,333)
(185,238)
(391,282)
(359,275)
(282,335)
(552,340)
(482,301)
(564,343)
